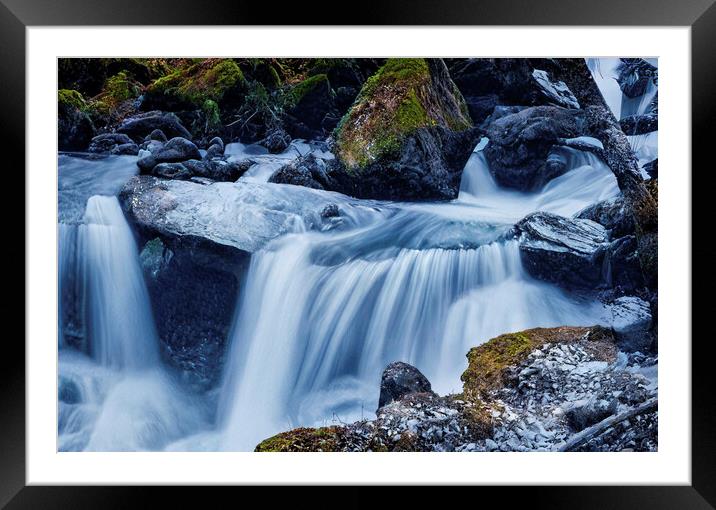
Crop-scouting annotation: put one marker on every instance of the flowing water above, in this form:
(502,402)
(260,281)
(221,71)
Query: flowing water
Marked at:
(320,315)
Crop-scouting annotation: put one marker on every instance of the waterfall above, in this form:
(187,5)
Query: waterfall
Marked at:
(113,393)
(120,327)
(322,313)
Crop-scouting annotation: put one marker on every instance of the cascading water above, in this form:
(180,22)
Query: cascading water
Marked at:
(113,393)
(323,313)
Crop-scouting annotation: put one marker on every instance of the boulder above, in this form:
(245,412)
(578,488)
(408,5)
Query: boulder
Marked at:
(108,141)
(174,151)
(307,105)
(217,141)
(75,128)
(157,135)
(400,379)
(407,136)
(143,124)
(172,171)
(487,82)
(612,214)
(521,143)
(307,171)
(634,75)
(276,141)
(565,251)
(218,169)
(631,322)
(252,214)
(621,264)
(214,151)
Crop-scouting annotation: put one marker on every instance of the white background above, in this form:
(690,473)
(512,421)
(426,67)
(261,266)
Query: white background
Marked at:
(671,464)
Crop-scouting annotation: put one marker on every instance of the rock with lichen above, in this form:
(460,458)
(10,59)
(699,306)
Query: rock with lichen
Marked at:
(407,135)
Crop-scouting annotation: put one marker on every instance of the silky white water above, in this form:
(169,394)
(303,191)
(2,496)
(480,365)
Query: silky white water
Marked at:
(323,313)
(113,392)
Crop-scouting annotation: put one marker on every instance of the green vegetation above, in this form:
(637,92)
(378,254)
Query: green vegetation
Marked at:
(203,80)
(488,363)
(297,92)
(394,102)
(324,439)
(117,89)
(71,98)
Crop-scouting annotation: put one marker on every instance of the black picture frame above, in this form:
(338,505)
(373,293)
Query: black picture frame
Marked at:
(700,15)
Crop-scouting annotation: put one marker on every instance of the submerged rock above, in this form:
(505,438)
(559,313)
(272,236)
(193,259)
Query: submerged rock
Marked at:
(562,250)
(521,143)
(407,136)
(400,379)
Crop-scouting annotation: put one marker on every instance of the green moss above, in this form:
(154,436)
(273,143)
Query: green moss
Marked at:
(324,439)
(488,363)
(393,103)
(203,80)
(66,97)
(117,89)
(298,91)
(211,114)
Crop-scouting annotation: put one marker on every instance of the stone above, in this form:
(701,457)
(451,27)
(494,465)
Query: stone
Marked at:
(631,322)
(400,379)
(140,125)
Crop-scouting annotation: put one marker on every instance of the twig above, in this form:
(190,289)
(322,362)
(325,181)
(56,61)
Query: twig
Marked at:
(591,432)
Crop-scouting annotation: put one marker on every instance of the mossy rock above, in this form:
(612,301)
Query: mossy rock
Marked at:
(324,439)
(489,363)
(71,98)
(404,95)
(117,89)
(190,87)
(75,127)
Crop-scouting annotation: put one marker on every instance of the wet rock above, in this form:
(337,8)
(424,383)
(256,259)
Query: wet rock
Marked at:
(75,128)
(157,135)
(175,150)
(622,266)
(107,142)
(217,141)
(520,145)
(631,321)
(276,141)
(634,75)
(612,214)
(214,151)
(420,157)
(562,250)
(652,168)
(400,379)
(141,125)
(172,171)
(126,149)
(307,171)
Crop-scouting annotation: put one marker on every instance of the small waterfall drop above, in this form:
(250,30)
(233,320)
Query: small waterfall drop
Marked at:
(321,314)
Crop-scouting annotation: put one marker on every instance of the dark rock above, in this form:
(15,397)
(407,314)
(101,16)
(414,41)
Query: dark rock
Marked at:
(128,149)
(139,126)
(108,141)
(75,129)
(634,75)
(612,214)
(631,321)
(217,141)
(400,379)
(521,143)
(487,82)
(565,251)
(276,141)
(312,100)
(174,151)
(157,135)
(193,302)
(214,151)
(218,169)
(330,211)
(621,264)
(172,171)
(585,414)
(307,171)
